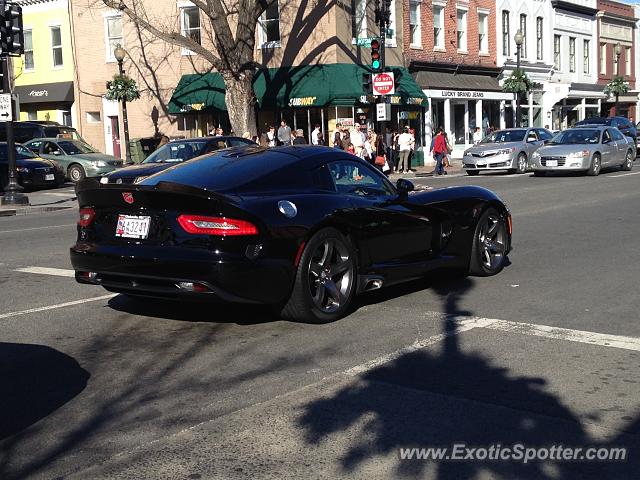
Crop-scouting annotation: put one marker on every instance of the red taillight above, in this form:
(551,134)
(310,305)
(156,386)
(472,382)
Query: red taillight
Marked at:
(86,216)
(222,226)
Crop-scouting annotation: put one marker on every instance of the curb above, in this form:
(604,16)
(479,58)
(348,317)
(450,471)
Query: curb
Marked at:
(9,212)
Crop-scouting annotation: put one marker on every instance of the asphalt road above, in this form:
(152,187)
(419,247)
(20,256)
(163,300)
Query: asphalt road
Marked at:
(547,352)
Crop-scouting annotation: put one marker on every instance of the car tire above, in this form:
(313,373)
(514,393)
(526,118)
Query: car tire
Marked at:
(318,295)
(521,164)
(539,174)
(472,173)
(488,251)
(628,161)
(76,173)
(596,165)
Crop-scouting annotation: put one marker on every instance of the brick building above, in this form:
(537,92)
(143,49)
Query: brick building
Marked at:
(616,24)
(451,50)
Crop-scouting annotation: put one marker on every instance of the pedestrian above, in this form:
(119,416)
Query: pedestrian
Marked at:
(316,136)
(405,144)
(337,137)
(380,155)
(272,139)
(219,132)
(477,136)
(439,150)
(284,133)
(357,140)
(299,137)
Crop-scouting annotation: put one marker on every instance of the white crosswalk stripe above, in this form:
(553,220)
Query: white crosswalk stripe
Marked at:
(58,272)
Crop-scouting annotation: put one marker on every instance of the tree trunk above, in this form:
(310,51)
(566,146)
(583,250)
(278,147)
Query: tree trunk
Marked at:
(240,101)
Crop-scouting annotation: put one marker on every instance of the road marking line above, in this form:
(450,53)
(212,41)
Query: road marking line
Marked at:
(567,334)
(59,305)
(60,194)
(37,228)
(464,325)
(623,175)
(59,272)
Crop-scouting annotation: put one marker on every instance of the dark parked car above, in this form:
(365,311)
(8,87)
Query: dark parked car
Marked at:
(33,172)
(303,228)
(621,123)
(171,154)
(25,131)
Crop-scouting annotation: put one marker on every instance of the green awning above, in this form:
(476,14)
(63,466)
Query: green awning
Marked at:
(301,86)
(199,92)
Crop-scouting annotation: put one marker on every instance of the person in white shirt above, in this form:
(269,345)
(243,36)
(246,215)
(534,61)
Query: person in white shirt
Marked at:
(357,140)
(477,136)
(316,136)
(405,143)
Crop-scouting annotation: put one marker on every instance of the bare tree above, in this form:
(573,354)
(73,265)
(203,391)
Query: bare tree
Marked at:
(233,24)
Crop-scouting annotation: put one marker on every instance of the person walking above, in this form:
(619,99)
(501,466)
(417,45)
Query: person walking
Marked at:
(477,136)
(337,137)
(272,139)
(439,150)
(316,136)
(405,144)
(299,137)
(357,140)
(284,133)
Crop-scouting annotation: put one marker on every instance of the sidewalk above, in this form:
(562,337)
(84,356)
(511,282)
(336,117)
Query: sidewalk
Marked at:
(427,171)
(37,207)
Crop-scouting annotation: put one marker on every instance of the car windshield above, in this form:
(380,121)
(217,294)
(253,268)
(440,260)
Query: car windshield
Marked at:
(22,153)
(505,136)
(75,147)
(175,152)
(579,136)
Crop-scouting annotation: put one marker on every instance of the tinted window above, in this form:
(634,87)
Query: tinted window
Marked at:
(576,136)
(216,145)
(23,133)
(616,135)
(505,136)
(351,178)
(593,121)
(236,142)
(175,152)
(321,178)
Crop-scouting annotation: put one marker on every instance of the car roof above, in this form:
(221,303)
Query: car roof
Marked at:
(233,168)
(594,126)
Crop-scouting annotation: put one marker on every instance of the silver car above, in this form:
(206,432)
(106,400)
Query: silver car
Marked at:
(587,148)
(509,149)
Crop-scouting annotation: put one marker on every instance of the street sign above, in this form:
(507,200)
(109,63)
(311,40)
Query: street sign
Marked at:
(364,42)
(6,112)
(383,112)
(383,84)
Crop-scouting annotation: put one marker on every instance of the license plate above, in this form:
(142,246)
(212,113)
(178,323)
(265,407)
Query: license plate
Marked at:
(481,164)
(49,176)
(132,226)
(552,163)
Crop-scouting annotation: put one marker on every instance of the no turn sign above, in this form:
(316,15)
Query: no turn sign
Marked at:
(383,83)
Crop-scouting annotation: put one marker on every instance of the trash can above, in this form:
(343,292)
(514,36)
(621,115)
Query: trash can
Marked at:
(417,159)
(141,148)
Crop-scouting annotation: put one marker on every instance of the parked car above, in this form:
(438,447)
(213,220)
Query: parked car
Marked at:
(302,228)
(171,154)
(33,172)
(78,159)
(587,148)
(508,149)
(621,123)
(25,131)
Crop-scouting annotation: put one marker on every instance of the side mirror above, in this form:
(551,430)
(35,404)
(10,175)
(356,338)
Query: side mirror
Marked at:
(546,142)
(404,186)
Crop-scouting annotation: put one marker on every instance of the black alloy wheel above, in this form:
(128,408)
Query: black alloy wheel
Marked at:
(325,281)
(489,250)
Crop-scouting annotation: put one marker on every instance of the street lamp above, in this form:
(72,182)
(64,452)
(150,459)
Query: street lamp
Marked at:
(119,54)
(618,51)
(519,38)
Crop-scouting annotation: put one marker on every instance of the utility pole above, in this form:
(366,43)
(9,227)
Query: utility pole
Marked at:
(12,43)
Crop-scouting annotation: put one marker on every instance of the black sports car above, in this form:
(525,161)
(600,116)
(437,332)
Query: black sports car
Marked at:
(33,171)
(302,227)
(170,154)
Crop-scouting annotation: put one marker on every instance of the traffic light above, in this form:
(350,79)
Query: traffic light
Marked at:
(376,61)
(367,85)
(11,30)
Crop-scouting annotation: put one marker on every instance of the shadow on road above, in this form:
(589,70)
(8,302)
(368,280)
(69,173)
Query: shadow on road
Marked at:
(444,395)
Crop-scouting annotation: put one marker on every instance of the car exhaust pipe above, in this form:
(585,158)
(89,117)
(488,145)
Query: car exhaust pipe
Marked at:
(373,284)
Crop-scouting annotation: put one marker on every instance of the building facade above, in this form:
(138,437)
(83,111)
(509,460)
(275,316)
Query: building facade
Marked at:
(44,75)
(616,27)
(450,47)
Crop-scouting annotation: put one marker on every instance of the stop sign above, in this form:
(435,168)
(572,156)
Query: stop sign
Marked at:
(383,84)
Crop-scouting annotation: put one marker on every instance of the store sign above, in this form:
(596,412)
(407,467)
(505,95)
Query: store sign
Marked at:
(302,102)
(345,122)
(383,83)
(38,93)
(468,95)
(190,108)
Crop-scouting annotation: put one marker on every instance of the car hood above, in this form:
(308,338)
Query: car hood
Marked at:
(492,147)
(35,163)
(560,150)
(94,157)
(141,170)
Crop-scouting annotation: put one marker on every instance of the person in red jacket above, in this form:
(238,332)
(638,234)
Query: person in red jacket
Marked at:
(439,151)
